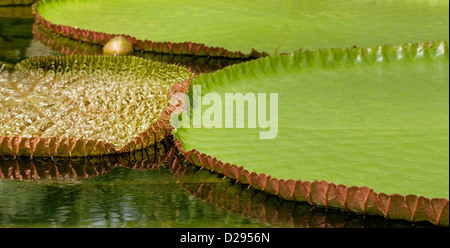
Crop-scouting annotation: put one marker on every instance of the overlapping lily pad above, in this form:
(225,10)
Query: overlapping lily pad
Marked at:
(360,129)
(78,106)
(247,28)
(68,46)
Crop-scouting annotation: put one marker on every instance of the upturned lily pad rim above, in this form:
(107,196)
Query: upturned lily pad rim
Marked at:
(79,147)
(313,26)
(68,46)
(226,194)
(183,48)
(362,200)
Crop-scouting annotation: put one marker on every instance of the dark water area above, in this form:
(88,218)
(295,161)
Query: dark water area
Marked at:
(16,37)
(143,189)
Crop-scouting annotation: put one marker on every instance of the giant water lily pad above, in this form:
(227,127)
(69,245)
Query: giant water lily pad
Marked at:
(268,209)
(362,129)
(68,46)
(234,28)
(85,106)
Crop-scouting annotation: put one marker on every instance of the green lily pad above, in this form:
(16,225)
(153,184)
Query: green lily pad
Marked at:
(268,209)
(229,28)
(374,118)
(85,105)
(68,46)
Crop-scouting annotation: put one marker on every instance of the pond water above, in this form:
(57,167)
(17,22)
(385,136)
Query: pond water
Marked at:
(143,189)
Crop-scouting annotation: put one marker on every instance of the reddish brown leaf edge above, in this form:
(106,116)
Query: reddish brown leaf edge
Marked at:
(75,147)
(181,48)
(360,200)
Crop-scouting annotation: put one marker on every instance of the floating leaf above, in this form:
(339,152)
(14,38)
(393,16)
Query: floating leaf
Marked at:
(358,129)
(253,204)
(85,106)
(69,46)
(251,28)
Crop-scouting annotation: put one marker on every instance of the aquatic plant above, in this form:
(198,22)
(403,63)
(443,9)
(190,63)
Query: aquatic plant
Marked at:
(269,209)
(78,106)
(68,46)
(118,45)
(246,29)
(363,129)
(4,66)
(359,129)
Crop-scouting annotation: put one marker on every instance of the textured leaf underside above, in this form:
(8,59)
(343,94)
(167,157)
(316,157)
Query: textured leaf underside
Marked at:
(75,103)
(373,117)
(272,27)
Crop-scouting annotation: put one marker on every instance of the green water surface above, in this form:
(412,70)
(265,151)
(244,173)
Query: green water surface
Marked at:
(121,198)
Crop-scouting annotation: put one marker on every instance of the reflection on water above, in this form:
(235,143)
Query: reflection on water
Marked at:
(121,198)
(149,188)
(134,190)
(16,38)
(131,190)
(21,38)
(69,46)
(46,168)
(269,209)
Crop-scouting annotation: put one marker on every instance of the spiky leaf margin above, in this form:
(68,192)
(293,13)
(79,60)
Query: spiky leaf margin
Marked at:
(254,204)
(79,147)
